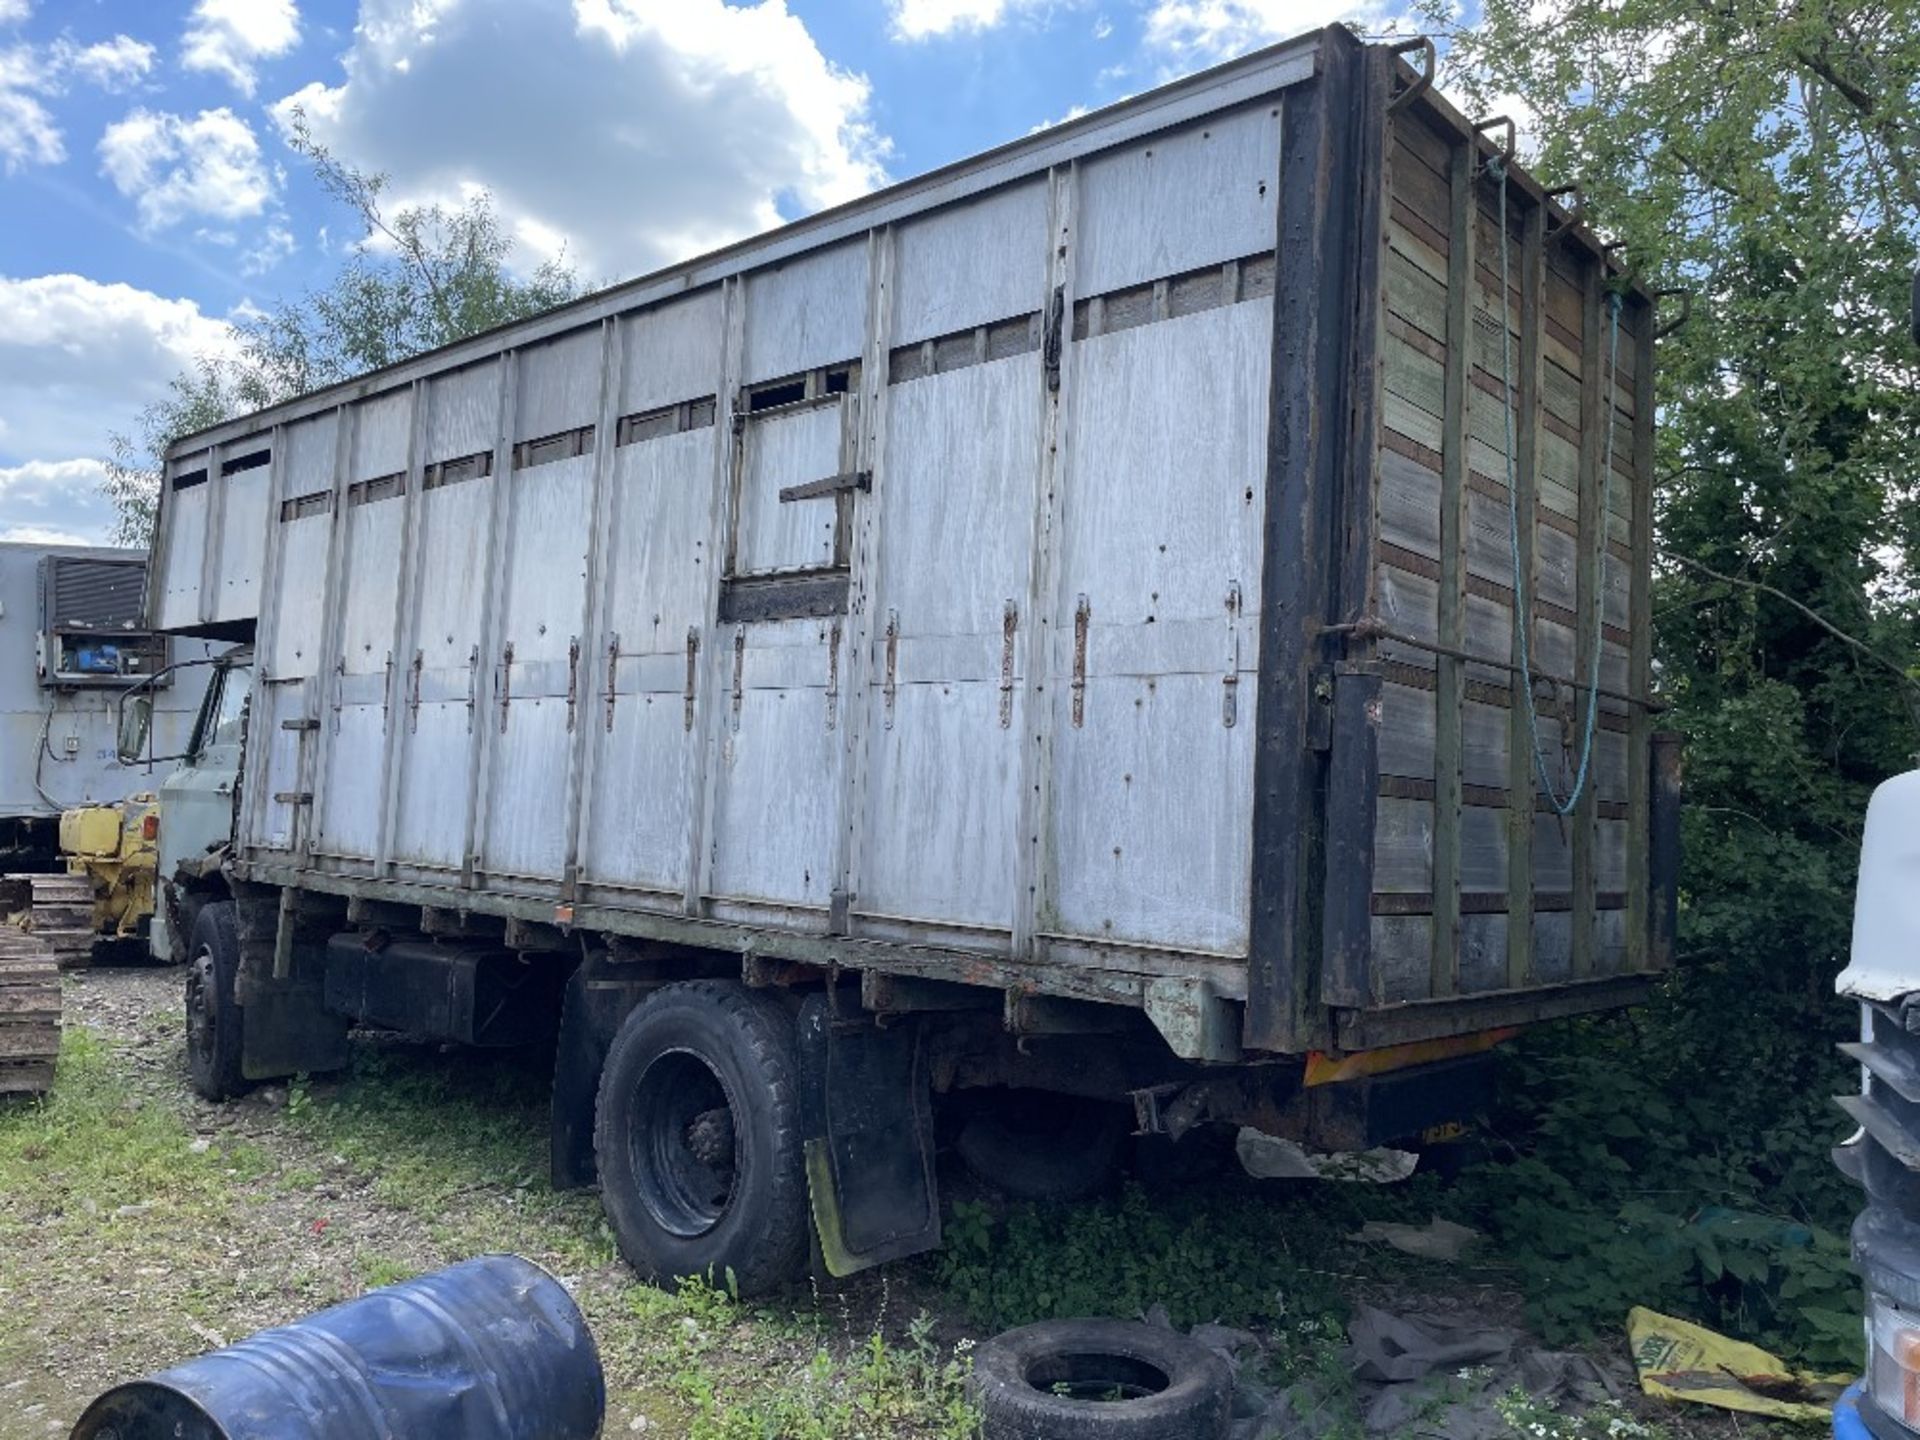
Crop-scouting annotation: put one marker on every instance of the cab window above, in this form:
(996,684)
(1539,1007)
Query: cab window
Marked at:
(221,722)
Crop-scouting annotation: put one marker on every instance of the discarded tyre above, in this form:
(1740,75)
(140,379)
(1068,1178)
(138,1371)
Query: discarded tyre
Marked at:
(1099,1380)
(491,1349)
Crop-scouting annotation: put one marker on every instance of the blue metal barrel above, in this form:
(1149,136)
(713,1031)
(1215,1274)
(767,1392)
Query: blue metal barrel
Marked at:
(1847,1424)
(490,1349)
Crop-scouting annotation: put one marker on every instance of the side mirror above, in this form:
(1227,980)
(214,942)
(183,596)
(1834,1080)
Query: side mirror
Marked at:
(136,725)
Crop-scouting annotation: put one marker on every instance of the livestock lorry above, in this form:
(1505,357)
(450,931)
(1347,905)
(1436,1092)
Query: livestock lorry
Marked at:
(1144,628)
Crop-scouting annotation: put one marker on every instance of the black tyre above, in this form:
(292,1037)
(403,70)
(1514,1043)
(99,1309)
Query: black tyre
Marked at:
(1203,1154)
(1099,1380)
(213,1015)
(697,1138)
(1039,1146)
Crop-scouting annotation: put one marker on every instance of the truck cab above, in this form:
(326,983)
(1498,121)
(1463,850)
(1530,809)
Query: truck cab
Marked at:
(196,796)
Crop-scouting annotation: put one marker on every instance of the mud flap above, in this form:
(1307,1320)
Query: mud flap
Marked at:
(598,996)
(867,1119)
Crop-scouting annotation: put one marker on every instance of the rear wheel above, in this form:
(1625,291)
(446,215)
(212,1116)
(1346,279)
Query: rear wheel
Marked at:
(213,1015)
(697,1138)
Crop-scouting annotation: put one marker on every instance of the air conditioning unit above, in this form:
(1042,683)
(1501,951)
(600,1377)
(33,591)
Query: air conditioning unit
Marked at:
(93,622)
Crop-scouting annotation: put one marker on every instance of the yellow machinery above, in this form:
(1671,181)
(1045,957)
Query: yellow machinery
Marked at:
(114,848)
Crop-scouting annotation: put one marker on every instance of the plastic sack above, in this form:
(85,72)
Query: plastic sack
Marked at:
(1678,1360)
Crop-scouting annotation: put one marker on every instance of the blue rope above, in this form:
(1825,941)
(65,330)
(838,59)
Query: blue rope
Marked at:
(1523,622)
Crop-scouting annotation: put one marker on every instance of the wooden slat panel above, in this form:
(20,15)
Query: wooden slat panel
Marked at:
(1588,586)
(1640,659)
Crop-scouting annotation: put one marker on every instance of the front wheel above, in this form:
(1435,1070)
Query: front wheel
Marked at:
(213,1015)
(697,1138)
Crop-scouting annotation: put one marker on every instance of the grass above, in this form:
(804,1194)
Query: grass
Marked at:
(128,1247)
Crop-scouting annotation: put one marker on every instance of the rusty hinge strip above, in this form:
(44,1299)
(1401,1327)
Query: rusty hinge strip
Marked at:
(413,698)
(1230,684)
(693,672)
(573,681)
(300,723)
(1082,619)
(1009,623)
(831,485)
(1320,711)
(339,682)
(833,674)
(1051,345)
(739,672)
(613,675)
(888,686)
(506,684)
(473,685)
(293,797)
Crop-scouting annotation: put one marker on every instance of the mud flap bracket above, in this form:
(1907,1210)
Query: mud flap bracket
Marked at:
(867,1121)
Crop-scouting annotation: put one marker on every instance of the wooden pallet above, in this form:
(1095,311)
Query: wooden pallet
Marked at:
(56,908)
(29,1013)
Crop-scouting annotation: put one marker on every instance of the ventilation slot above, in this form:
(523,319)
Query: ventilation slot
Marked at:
(667,420)
(240,464)
(566,445)
(477,466)
(385,487)
(299,507)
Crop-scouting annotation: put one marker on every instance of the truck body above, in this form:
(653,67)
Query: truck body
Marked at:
(1065,603)
(73,637)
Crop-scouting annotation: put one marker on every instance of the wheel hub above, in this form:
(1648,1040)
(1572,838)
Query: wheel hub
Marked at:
(201,1020)
(683,1144)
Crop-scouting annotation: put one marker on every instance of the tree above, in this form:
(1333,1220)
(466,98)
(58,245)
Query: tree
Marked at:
(1764,154)
(421,277)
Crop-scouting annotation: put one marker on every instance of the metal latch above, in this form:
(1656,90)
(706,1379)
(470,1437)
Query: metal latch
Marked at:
(832,485)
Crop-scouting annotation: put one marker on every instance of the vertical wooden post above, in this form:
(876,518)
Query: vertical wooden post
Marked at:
(1526,503)
(1640,651)
(1450,687)
(1595,410)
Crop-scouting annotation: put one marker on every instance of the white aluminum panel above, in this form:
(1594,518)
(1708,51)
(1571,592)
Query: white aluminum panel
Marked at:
(661,572)
(776,798)
(559,386)
(276,821)
(463,413)
(672,353)
(371,592)
(1166,468)
(186,547)
(643,793)
(380,436)
(452,547)
(526,803)
(1151,815)
(294,646)
(544,608)
(806,312)
(430,828)
(349,801)
(244,504)
(789,449)
(942,834)
(942,823)
(971,265)
(956,522)
(1177,202)
(1152,828)
(305,462)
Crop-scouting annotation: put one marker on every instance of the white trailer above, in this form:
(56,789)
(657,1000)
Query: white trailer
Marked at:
(73,637)
(1066,597)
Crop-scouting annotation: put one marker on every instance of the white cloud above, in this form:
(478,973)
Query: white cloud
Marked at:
(1195,33)
(172,167)
(28,135)
(12,12)
(930,19)
(273,246)
(111,64)
(641,133)
(54,502)
(229,37)
(31,73)
(79,359)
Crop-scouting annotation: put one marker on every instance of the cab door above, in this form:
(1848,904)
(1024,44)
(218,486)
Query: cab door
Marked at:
(196,800)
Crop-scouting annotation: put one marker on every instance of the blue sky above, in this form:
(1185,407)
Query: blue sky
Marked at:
(147,194)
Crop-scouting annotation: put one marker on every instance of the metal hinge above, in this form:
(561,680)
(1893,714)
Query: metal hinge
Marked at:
(1082,620)
(1320,708)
